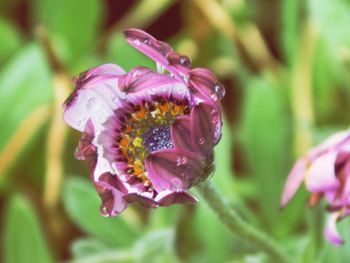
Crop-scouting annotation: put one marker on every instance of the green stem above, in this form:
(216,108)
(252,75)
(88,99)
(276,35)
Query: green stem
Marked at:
(238,226)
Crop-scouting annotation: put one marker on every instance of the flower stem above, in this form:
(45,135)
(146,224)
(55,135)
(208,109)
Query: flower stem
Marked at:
(238,226)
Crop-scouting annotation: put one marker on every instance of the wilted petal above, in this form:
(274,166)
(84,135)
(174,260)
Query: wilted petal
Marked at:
(173,169)
(86,149)
(111,191)
(167,198)
(181,133)
(321,175)
(140,199)
(294,180)
(331,232)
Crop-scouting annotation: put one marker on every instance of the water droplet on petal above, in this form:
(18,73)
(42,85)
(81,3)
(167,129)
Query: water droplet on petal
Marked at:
(104,211)
(184,77)
(182,160)
(92,105)
(152,91)
(81,123)
(214,96)
(201,141)
(146,41)
(220,91)
(179,126)
(136,42)
(135,74)
(176,183)
(185,61)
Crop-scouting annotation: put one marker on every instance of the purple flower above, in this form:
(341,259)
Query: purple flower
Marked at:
(326,172)
(148,135)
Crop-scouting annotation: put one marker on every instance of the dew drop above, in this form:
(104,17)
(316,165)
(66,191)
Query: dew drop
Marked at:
(152,91)
(185,61)
(135,74)
(184,77)
(92,105)
(179,126)
(214,96)
(181,161)
(201,141)
(147,41)
(176,183)
(104,211)
(136,42)
(81,123)
(219,90)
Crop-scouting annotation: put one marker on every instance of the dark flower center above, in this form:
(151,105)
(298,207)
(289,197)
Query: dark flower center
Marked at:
(157,138)
(147,129)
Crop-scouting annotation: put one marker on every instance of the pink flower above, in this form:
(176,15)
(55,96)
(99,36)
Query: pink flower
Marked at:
(148,135)
(326,172)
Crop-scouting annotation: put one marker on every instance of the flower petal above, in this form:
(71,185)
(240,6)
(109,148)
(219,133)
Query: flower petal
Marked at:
(149,85)
(160,52)
(173,169)
(332,143)
(331,232)
(111,191)
(294,180)
(95,100)
(181,133)
(204,82)
(202,129)
(167,198)
(321,175)
(140,199)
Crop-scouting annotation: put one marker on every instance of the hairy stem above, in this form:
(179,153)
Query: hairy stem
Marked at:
(238,226)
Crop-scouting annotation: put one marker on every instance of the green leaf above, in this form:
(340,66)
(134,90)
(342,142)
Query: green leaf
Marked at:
(121,53)
(155,246)
(88,246)
(24,84)
(267,142)
(82,204)
(9,39)
(332,18)
(72,24)
(215,239)
(23,237)
(291,13)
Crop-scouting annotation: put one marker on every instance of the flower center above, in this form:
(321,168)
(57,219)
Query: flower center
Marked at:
(157,138)
(147,129)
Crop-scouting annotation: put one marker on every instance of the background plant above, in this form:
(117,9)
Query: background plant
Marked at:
(285,65)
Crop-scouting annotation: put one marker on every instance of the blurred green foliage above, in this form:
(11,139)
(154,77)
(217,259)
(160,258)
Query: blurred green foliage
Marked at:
(252,160)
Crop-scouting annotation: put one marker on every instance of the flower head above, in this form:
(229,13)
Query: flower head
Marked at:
(326,172)
(148,136)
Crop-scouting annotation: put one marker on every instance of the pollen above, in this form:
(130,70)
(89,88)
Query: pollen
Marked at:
(147,129)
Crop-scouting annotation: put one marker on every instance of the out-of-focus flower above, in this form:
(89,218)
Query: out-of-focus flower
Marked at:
(148,135)
(326,172)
